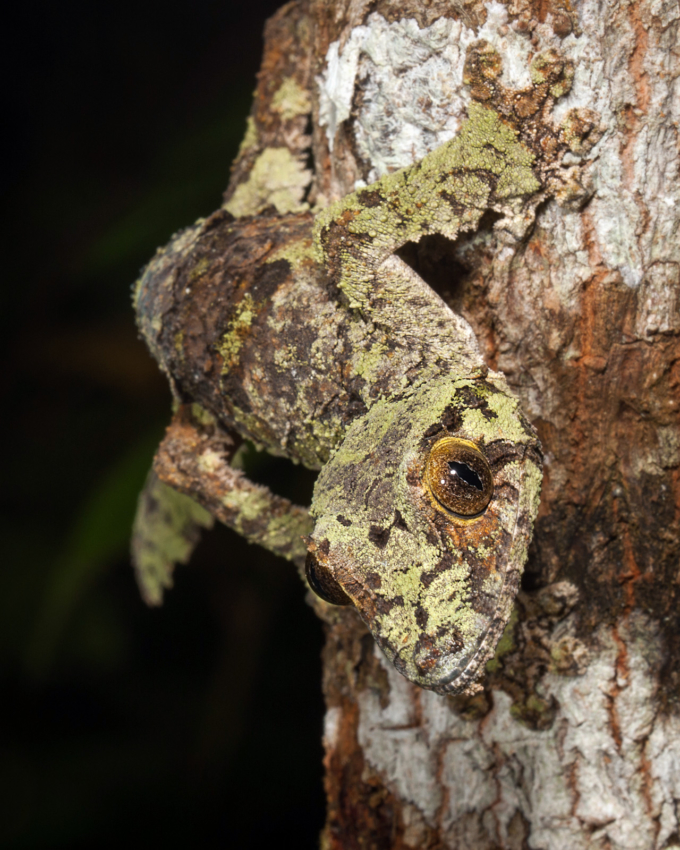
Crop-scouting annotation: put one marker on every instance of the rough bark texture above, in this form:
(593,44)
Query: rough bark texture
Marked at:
(575,742)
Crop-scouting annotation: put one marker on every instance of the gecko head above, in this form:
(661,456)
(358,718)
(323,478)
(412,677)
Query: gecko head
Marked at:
(424,515)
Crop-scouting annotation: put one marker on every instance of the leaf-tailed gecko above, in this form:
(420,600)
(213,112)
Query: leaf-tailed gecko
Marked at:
(309,336)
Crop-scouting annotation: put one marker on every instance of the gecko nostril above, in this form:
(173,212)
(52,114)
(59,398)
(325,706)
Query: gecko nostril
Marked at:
(323,583)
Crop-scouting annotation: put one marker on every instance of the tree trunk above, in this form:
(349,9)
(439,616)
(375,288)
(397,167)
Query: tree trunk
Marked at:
(575,741)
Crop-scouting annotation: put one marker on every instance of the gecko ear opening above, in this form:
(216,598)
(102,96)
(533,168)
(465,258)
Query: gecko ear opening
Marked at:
(323,583)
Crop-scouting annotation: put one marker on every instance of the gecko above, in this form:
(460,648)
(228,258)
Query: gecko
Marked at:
(308,335)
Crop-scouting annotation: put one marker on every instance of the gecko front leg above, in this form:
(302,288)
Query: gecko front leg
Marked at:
(192,483)
(505,158)
(194,458)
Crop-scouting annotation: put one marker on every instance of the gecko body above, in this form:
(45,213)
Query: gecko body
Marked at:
(311,337)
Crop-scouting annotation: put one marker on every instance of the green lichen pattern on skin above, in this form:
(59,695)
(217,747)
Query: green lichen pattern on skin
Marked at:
(318,343)
(410,200)
(436,593)
(238,327)
(296,253)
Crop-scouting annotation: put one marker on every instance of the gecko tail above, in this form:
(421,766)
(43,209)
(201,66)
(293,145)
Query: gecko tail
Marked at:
(165,532)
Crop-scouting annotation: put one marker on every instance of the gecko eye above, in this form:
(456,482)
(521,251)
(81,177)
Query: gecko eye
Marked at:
(322,582)
(459,477)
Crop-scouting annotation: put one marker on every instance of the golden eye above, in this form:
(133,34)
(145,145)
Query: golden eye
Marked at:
(459,477)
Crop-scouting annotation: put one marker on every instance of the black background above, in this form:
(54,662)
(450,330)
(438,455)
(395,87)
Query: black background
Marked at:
(199,721)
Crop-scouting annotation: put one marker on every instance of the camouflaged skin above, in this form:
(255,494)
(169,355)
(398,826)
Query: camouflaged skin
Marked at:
(310,337)
(435,590)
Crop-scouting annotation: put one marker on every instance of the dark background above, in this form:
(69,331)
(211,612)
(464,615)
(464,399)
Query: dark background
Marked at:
(198,722)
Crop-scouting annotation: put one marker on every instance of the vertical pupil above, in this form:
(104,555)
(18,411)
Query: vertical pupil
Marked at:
(465,473)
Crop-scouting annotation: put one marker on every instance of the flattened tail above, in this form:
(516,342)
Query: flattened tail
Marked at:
(166,530)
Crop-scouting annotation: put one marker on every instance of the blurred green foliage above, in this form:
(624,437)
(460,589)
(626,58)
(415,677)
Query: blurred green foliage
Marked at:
(117,720)
(99,534)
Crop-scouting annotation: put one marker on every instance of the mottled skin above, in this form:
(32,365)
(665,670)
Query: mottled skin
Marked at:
(312,338)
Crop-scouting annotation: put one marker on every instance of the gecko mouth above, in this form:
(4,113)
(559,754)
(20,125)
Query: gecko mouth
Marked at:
(440,670)
(457,672)
(431,651)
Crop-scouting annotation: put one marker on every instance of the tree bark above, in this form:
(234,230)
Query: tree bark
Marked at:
(575,741)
